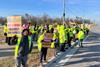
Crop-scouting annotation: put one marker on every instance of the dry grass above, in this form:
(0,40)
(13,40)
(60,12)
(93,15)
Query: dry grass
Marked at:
(33,60)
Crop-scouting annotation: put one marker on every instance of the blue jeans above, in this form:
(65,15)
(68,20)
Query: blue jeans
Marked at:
(21,60)
(80,42)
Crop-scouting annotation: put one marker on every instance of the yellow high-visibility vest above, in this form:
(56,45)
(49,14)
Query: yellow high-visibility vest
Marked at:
(18,44)
(81,35)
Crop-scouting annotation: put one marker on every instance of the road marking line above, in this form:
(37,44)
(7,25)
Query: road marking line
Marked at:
(6,50)
(68,56)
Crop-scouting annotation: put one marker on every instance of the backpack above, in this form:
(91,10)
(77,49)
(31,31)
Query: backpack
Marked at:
(13,40)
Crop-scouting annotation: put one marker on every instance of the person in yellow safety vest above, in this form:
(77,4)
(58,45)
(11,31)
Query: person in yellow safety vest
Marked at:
(70,37)
(40,29)
(5,29)
(50,27)
(66,32)
(23,48)
(56,41)
(81,36)
(5,32)
(71,33)
(84,30)
(34,32)
(58,27)
(74,34)
(62,38)
(43,50)
(87,31)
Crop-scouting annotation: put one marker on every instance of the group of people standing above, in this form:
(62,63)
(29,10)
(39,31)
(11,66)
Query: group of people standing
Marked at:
(61,40)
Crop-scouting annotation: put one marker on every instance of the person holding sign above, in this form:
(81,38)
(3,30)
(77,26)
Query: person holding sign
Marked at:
(42,50)
(44,42)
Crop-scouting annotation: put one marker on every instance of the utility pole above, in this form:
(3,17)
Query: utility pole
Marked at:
(64,5)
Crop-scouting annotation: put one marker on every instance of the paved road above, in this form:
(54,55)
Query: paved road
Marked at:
(6,51)
(89,56)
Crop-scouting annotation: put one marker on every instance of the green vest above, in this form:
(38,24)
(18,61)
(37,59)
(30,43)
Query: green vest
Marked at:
(18,44)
